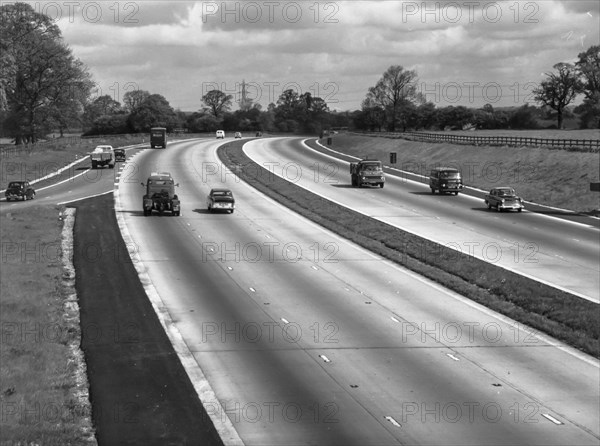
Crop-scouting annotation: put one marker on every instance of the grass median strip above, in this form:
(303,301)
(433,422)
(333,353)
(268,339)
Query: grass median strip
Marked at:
(568,318)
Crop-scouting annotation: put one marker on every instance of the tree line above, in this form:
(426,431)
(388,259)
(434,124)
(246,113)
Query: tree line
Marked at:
(44,88)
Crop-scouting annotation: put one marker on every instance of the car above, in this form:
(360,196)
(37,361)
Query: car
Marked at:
(445,179)
(220,134)
(120,155)
(220,200)
(238,135)
(504,198)
(19,190)
(258,134)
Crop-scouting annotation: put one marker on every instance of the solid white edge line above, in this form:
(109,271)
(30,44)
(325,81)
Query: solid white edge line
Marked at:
(590,360)
(85,198)
(568,211)
(62,169)
(207,396)
(537,279)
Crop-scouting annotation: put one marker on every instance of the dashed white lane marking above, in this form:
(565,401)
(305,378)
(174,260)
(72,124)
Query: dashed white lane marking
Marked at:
(393,421)
(551,418)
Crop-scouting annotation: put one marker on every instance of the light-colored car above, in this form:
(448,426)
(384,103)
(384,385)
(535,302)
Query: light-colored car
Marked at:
(504,199)
(220,134)
(220,200)
(238,135)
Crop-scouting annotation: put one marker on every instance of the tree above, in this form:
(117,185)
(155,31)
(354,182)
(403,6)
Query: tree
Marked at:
(101,106)
(392,91)
(524,118)
(41,79)
(155,111)
(133,99)
(559,89)
(588,67)
(217,102)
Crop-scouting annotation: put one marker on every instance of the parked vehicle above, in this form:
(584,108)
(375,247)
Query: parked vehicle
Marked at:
(504,199)
(445,179)
(367,173)
(19,190)
(103,156)
(160,195)
(158,137)
(220,200)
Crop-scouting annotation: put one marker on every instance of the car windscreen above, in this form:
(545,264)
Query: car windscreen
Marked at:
(15,185)
(372,166)
(450,175)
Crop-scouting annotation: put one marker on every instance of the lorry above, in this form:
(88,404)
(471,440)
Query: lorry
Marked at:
(160,195)
(367,172)
(103,156)
(158,137)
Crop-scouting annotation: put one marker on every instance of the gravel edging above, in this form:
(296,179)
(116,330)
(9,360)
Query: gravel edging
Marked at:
(72,322)
(559,314)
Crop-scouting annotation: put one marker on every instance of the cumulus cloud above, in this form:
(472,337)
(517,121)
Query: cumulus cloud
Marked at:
(336,50)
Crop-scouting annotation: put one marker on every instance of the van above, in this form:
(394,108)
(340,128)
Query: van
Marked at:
(445,179)
(220,134)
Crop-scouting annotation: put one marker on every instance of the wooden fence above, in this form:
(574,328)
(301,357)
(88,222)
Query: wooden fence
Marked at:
(580,145)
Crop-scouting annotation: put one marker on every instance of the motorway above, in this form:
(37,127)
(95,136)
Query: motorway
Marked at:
(306,338)
(560,253)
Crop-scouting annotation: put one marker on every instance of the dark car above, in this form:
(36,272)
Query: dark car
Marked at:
(445,179)
(19,190)
(120,155)
(220,200)
(504,199)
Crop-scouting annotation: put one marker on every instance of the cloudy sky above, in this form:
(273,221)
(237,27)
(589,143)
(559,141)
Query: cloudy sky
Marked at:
(465,52)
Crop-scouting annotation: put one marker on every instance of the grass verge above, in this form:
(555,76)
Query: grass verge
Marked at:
(568,318)
(40,378)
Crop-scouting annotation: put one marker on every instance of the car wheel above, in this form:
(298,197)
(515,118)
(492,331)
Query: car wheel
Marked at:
(497,208)
(381,185)
(33,196)
(519,209)
(24,197)
(455,193)
(489,206)
(432,191)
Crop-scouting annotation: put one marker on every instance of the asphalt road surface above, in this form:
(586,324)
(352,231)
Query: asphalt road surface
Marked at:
(308,339)
(556,251)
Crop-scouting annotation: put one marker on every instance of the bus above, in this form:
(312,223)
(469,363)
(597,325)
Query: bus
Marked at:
(158,137)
